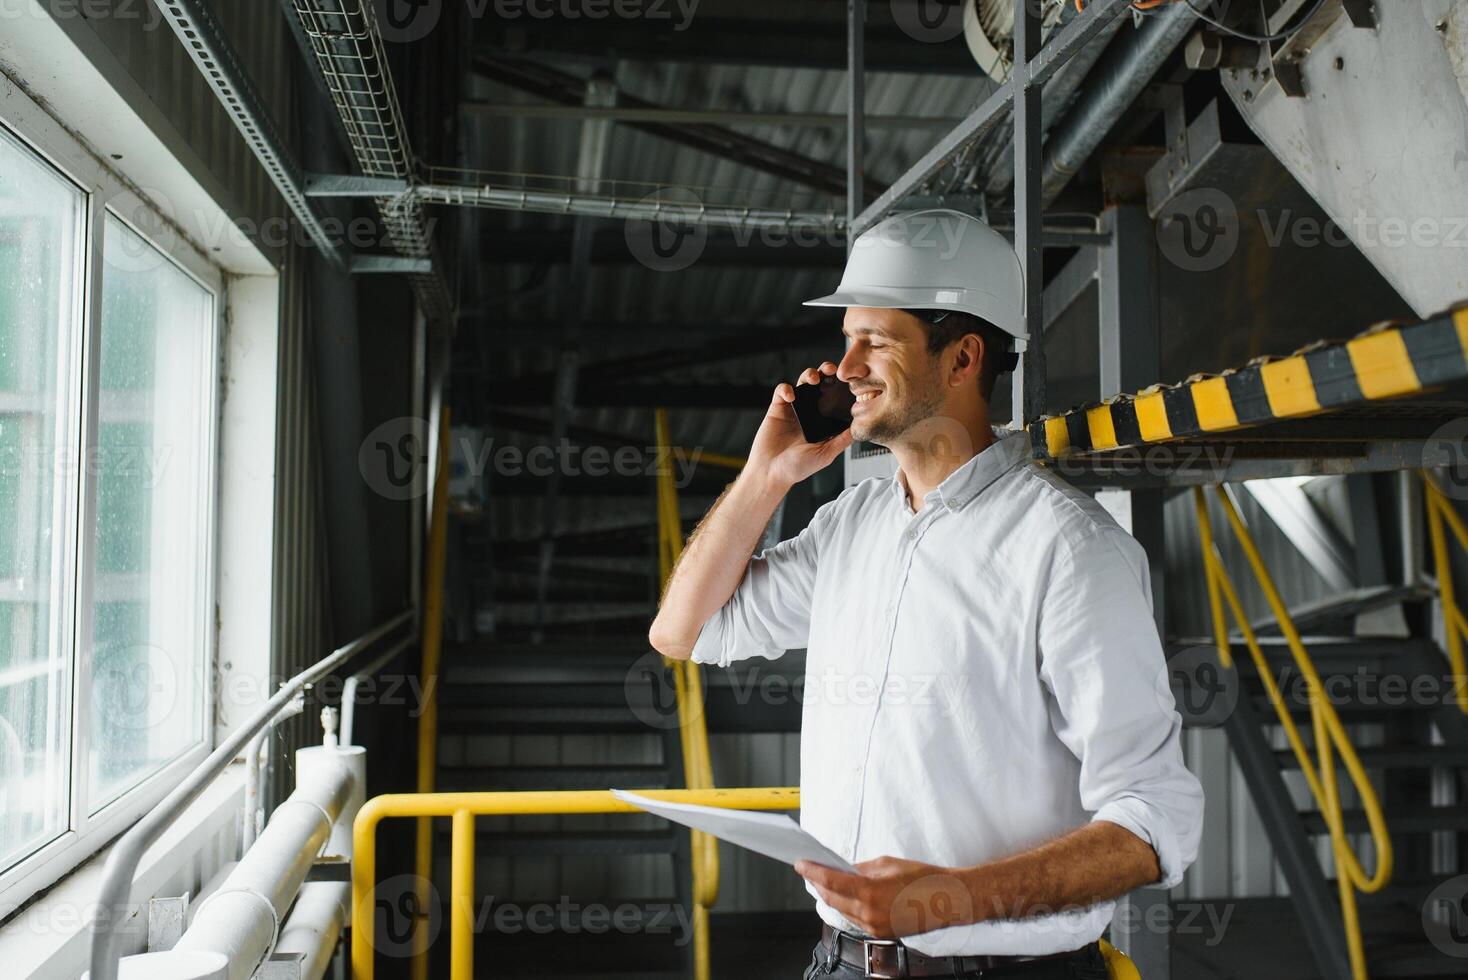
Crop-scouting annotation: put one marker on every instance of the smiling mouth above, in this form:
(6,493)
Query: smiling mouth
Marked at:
(863,397)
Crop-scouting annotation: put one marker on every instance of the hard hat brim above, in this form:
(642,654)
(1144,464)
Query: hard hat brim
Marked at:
(974,301)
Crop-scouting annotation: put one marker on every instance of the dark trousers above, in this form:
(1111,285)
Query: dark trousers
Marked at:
(1087,964)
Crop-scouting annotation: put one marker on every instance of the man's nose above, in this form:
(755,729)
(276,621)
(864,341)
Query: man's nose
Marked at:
(851,367)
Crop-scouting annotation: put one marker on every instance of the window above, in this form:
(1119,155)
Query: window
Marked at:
(147,602)
(107,408)
(41,235)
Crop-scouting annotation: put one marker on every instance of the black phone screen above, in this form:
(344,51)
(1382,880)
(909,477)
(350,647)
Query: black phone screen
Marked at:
(824,410)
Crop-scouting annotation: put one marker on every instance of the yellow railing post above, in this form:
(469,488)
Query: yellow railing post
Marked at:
(463,808)
(1455,625)
(428,719)
(692,729)
(461,901)
(1330,735)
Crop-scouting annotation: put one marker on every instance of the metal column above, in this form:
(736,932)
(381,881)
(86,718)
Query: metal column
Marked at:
(856,129)
(1029,380)
(1127,324)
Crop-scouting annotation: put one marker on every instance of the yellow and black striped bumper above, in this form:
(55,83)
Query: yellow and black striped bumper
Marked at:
(1383,362)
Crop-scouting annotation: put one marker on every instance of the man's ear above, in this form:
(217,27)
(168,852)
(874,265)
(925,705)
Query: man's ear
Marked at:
(968,357)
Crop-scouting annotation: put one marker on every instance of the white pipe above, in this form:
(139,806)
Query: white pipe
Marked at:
(315,925)
(242,920)
(349,691)
(254,774)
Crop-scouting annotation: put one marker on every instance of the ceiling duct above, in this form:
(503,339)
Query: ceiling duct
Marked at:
(343,37)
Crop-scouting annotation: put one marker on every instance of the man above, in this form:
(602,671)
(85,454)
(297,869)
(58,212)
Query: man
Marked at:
(987,731)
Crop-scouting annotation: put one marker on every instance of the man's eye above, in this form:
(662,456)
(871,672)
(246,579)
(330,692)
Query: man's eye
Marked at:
(876,346)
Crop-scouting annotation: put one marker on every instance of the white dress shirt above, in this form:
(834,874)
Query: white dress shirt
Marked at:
(982,676)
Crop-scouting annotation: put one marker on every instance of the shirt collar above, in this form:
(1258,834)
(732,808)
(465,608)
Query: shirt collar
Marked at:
(966,482)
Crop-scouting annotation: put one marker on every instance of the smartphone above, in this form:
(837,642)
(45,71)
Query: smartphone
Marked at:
(824,410)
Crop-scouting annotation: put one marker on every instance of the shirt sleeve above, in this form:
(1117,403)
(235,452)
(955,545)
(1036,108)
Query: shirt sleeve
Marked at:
(769,611)
(1102,660)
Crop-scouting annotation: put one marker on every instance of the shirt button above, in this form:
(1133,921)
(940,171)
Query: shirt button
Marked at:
(911,535)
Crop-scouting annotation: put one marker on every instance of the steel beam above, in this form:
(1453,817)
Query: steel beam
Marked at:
(856,98)
(1063,44)
(722,117)
(741,148)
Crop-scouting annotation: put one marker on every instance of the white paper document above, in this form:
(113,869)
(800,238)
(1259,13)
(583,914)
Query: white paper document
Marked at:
(771,834)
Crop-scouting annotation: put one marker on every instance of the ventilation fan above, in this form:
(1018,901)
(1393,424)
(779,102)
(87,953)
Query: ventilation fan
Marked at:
(988,27)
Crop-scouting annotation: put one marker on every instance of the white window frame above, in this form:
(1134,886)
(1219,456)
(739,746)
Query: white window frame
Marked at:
(106,192)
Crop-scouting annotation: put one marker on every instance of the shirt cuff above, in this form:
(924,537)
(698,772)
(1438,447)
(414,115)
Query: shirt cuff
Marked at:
(709,647)
(1151,825)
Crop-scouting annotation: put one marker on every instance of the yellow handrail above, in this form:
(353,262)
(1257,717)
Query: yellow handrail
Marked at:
(698,769)
(432,630)
(1330,734)
(463,808)
(1455,625)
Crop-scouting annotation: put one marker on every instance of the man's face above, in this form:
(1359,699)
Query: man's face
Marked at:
(897,382)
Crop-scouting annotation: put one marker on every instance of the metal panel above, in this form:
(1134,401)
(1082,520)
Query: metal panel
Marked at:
(1372,93)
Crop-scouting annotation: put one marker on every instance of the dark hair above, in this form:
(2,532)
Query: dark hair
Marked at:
(946,326)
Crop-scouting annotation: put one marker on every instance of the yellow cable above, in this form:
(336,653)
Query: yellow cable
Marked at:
(1330,735)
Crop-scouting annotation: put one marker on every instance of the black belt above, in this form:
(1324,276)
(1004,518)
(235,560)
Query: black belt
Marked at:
(889,959)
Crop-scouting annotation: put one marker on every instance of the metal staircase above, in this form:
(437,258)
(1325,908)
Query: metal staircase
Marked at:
(1397,701)
(567,717)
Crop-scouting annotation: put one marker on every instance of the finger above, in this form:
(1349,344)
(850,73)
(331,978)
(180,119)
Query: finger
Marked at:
(828,367)
(810,376)
(783,393)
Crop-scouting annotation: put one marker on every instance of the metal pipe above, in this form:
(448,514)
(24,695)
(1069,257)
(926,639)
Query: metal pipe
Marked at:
(630,209)
(254,792)
(1409,524)
(243,919)
(1108,92)
(122,863)
(349,690)
(315,925)
(628,114)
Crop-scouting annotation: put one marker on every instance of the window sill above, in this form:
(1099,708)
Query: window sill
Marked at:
(50,937)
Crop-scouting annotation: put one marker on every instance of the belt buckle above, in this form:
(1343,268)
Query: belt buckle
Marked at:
(866,947)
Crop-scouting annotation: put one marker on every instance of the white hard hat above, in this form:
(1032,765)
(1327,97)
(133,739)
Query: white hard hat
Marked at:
(936,259)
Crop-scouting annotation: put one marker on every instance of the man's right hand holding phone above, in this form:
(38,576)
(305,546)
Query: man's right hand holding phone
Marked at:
(719,549)
(779,455)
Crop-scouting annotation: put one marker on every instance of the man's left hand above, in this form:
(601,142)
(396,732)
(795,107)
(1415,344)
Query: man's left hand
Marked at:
(893,897)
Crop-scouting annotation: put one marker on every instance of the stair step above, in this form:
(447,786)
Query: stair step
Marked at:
(481,778)
(503,720)
(560,843)
(1395,757)
(1424,820)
